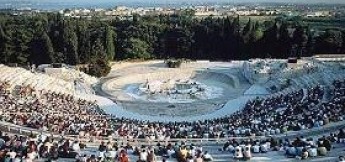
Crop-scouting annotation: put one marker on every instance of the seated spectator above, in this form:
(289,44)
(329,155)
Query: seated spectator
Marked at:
(198,158)
(143,156)
(341,136)
(123,157)
(327,144)
(183,152)
(246,153)
(321,149)
(312,151)
(263,147)
(111,153)
(238,153)
(207,157)
(274,144)
(76,146)
(305,153)
(190,159)
(151,157)
(256,148)
(93,158)
(226,145)
(291,151)
(171,152)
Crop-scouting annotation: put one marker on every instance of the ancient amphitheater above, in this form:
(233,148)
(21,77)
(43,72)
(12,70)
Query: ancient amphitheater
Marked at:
(195,89)
(138,94)
(227,86)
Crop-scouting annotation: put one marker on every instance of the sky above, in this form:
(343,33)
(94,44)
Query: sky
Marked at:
(58,4)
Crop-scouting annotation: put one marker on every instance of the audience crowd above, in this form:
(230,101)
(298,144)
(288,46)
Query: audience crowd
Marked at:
(15,148)
(63,114)
(66,115)
(299,147)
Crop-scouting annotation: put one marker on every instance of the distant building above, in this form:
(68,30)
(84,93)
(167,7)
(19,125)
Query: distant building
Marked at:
(319,14)
(329,57)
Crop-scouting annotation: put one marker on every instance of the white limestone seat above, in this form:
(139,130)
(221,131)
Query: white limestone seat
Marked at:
(11,74)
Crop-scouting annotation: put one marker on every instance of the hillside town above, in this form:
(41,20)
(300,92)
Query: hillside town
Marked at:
(199,10)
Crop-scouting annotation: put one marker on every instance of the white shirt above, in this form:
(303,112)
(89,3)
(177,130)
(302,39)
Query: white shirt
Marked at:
(111,154)
(312,152)
(32,155)
(76,147)
(264,148)
(247,152)
(42,137)
(238,152)
(143,156)
(101,154)
(171,151)
(12,154)
(17,160)
(208,156)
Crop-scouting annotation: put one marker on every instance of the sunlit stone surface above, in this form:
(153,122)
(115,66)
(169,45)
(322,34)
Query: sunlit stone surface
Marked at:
(173,91)
(197,88)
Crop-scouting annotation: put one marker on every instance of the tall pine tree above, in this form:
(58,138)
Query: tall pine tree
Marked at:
(3,40)
(70,45)
(109,43)
(42,51)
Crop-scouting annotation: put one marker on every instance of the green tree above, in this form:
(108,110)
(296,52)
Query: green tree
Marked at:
(110,48)
(70,46)
(300,39)
(343,45)
(253,43)
(99,67)
(3,41)
(18,47)
(80,40)
(329,42)
(247,30)
(42,51)
(84,43)
(257,32)
(136,49)
(237,40)
(270,41)
(97,50)
(284,42)
(176,42)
